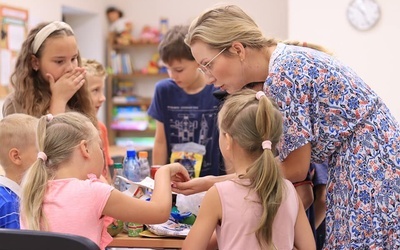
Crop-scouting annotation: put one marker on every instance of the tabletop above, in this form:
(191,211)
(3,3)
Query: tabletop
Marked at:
(123,240)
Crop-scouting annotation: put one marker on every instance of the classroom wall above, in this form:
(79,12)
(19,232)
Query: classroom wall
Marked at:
(324,22)
(373,54)
(271,15)
(45,10)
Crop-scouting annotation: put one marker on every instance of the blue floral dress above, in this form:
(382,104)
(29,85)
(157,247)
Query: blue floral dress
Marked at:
(326,104)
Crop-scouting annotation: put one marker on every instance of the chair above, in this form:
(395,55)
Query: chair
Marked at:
(13,239)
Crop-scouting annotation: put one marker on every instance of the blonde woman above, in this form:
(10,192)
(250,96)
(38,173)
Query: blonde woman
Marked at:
(329,114)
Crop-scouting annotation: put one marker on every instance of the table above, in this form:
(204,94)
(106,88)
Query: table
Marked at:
(121,151)
(123,240)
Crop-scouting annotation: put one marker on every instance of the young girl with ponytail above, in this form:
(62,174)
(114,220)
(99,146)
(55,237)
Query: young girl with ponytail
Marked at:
(258,209)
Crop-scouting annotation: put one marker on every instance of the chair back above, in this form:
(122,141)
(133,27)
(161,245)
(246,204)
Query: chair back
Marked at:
(13,239)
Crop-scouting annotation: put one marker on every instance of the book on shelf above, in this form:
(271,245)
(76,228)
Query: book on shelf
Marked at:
(123,88)
(121,63)
(134,142)
(129,118)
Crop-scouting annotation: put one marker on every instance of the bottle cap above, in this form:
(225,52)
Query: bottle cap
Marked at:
(131,153)
(143,154)
(117,165)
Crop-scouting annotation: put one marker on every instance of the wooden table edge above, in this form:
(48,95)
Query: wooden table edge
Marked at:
(124,240)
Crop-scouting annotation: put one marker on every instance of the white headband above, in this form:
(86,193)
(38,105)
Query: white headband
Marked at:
(46,31)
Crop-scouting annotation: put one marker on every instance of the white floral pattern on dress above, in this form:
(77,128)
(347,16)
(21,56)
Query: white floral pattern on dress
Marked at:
(325,103)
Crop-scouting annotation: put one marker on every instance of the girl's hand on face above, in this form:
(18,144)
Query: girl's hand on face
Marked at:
(67,85)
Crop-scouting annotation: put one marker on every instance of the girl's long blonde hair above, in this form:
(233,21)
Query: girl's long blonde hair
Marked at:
(33,92)
(250,122)
(57,139)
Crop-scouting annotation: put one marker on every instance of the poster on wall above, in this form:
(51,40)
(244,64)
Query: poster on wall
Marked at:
(13,31)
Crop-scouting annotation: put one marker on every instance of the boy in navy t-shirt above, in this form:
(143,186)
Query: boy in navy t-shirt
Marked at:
(184,107)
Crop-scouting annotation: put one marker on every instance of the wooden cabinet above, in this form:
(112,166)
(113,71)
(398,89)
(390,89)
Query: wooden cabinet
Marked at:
(133,72)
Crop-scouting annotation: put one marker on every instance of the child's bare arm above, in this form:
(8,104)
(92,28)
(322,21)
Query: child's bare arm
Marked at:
(157,210)
(206,222)
(303,235)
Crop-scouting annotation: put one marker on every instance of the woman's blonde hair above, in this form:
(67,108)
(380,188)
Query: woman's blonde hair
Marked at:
(250,122)
(32,91)
(57,138)
(224,24)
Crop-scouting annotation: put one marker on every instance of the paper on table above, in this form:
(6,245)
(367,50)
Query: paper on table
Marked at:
(169,228)
(146,182)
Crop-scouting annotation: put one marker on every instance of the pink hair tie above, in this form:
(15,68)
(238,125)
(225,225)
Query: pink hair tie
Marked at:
(49,117)
(42,155)
(266,144)
(259,94)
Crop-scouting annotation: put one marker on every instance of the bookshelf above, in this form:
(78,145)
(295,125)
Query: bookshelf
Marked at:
(126,106)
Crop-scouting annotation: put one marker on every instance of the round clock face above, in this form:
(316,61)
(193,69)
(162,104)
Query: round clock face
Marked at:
(363,14)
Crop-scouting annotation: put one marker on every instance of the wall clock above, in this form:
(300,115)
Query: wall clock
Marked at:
(363,14)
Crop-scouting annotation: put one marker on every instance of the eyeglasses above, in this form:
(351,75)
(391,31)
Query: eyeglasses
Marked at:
(205,68)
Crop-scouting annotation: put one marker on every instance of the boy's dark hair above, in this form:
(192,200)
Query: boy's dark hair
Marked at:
(112,9)
(173,47)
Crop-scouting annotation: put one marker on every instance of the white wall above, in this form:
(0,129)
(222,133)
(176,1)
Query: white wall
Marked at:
(374,54)
(271,15)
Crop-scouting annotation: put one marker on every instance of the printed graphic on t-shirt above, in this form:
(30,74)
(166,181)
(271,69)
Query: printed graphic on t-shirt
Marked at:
(185,124)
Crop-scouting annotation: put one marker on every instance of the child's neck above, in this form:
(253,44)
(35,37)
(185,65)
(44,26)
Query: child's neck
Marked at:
(197,86)
(66,173)
(242,162)
(71,169)
(14,176)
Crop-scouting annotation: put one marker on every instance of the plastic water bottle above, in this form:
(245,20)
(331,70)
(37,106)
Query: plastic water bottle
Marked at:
(118,183)
(131,166)
(144,165)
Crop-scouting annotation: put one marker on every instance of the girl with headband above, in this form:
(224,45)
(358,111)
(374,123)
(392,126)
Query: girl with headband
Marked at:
(47,76)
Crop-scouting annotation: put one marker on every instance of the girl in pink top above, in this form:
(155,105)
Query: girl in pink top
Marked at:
(61,192)
(259,209)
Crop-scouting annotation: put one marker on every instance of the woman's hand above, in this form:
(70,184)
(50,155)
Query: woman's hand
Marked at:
(193,186)
(200,184)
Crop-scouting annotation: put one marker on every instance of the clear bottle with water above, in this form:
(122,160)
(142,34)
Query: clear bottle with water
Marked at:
(118,183)
(131,166)
(144,165)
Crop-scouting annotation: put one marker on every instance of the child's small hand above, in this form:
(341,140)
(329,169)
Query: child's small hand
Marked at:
(178,172)
(67,85)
